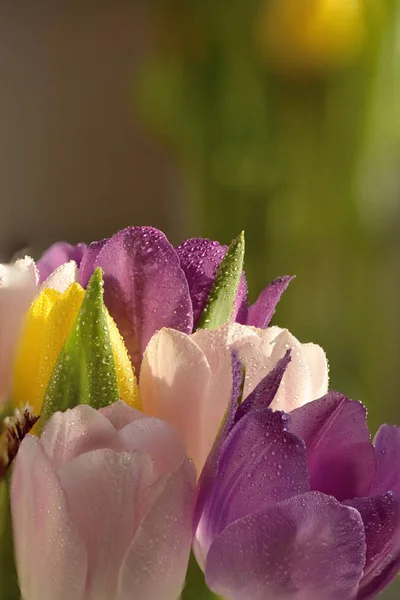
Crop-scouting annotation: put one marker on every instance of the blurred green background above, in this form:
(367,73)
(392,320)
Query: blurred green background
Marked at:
(205,117)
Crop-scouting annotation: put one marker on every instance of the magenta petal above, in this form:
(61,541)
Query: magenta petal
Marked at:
(58,254)
(88,262)
(387,451)
(381,517)
(200,259)
(309,547)
(145,287)
(341,457)
(261,464)
(261,312)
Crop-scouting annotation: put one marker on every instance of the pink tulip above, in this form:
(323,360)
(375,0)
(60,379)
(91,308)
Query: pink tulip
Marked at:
(102,506)
(186,380)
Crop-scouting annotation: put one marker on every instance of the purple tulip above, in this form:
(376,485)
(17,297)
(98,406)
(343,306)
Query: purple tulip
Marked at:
(149,285)
(299,507)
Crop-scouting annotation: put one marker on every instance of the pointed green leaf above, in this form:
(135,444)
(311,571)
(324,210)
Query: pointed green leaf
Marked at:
(221,300)
(85,370)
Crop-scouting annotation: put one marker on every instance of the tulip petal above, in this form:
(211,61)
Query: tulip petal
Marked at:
(156,563)
(200,259)
(88,263)
(261,464)
(74,432)
(61,278)
(120,414)
(56,255)
(155,438)
(145,287)
(303,379)
(17,290)
(105,494)
(307,548)
(381,517)
(174,386)
(263,395)
(49,568)
(210,469)
(387,452)
(261,312)
(48,324)
(217,345)
(340,454)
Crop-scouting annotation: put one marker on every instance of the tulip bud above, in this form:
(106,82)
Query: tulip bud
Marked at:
(102,508)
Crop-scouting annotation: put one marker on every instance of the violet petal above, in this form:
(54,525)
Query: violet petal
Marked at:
(381,517)
(261,464)
(145,288)
(341,457)
(56,255)
(387,452)
(88,262)
(261,312)
(200,259)
(309,547)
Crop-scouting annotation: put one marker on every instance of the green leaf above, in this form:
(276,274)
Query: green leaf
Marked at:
(9,589)
(221,300)
(195,585)
(85,370)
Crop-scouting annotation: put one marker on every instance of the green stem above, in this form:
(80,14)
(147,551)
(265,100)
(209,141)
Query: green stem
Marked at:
(9,589)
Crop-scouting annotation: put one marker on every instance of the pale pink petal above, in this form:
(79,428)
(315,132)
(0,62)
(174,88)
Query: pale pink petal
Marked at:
(155,565)
(155,438)
(51,558)
(74,432)
(105,495)
(218,344)
(174,386)
(17,290)
(120,414)
(60,279)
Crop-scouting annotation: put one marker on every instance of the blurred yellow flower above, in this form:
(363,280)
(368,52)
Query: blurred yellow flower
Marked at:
(311,35)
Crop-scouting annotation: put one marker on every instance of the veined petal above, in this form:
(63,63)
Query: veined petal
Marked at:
(47,326)
(307,548)
(261,312)
(340,454)
(145,287)
(381,517)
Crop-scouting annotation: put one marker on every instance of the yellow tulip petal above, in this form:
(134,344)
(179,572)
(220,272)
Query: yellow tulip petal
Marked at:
(127,383)
(47,325)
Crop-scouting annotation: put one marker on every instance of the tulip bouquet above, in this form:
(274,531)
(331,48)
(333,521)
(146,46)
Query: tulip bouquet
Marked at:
(147,410)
